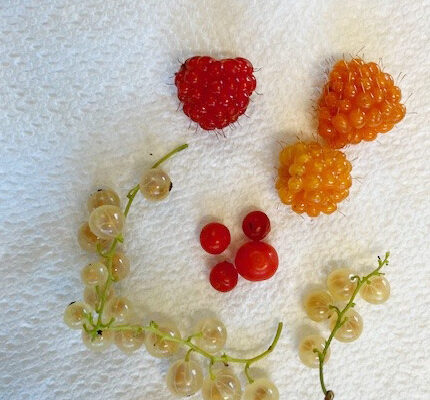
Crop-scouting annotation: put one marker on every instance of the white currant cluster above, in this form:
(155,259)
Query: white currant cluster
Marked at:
(106,318)
(346,324)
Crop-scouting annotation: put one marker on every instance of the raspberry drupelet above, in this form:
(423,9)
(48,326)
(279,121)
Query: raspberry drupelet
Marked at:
(215,93)
(358,102)
(313,178)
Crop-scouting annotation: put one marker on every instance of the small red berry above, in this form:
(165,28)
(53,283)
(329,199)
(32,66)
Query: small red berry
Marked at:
(215,238)
(256,225)
(215,93)
(256,261)
(223,277)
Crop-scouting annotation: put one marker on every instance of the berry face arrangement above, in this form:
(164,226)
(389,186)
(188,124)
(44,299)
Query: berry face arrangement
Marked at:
(105,318)
(215,93)
(358,102)
(313,178)
(346,324)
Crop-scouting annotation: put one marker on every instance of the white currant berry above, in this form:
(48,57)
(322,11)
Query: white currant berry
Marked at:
(118,308)
(76,314)
(307,347)
(93,299)
(129,340)
(185,378)
(120,266)
(376,290)
(103,197)
(155,184)
(317,304)
(94,274)
(162,348)
(106,222)
(224,386)
(88,241)
(261,389)
(100,342)
(340,284)
(213,335)
(351,329)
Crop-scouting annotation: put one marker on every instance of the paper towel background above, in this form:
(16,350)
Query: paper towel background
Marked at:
(85,98)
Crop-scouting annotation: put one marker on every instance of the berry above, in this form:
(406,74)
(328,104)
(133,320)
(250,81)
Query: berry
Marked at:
(102,340)
(162,348)
(358,102)
(103,197)
(120,266)
(215,238)
(106,221)
(213,335)
(215,93)
(88,241)
(351,329)
(256,225)
(313,178)
(120,309)
(223,277)
(307,347)
(317,304)
(224,386)
(155,184)
(129,340)
(185,378)
(340,284)
(94,274)
(256,261)
(376,290)
(75,315)
(260,389)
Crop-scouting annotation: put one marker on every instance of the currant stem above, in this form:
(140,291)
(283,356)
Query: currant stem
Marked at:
(225,358)
(108,256)
(341,320)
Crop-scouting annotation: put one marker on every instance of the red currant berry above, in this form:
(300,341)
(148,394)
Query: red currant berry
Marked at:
(215,238)
(256,261)
(223,277)
(256,225)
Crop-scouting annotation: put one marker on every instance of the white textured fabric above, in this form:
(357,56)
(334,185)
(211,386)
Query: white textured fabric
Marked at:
(86,96)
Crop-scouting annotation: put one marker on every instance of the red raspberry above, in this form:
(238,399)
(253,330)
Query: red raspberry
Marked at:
(215,92)
(358,102)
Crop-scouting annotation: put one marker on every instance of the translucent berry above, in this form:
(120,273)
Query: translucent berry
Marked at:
(340,284)
(155,184)
(376,290)
(75,315)
(103,197)
(358,102)
(313,178)
(224,386)
(185,378)
(213,335)
(159,347)
(120,309)
(94,274)
(129,340)
(100,342)
(306,350)
(88,241)
(317,304)
(261,389)
(351,329)
(215,93)
(120,266)
(106,222)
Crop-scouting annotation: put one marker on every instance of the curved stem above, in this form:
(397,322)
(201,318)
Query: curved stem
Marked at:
(168,155)
(225,358)
(340,316)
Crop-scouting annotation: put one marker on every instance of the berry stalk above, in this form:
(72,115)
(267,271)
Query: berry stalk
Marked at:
(225,358)
(329,395)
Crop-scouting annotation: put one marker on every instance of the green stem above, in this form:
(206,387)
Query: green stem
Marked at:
(111,252)
(225,358)
(340,317)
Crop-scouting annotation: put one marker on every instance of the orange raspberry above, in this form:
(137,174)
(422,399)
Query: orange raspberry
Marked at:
(358,102)
(313,178)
